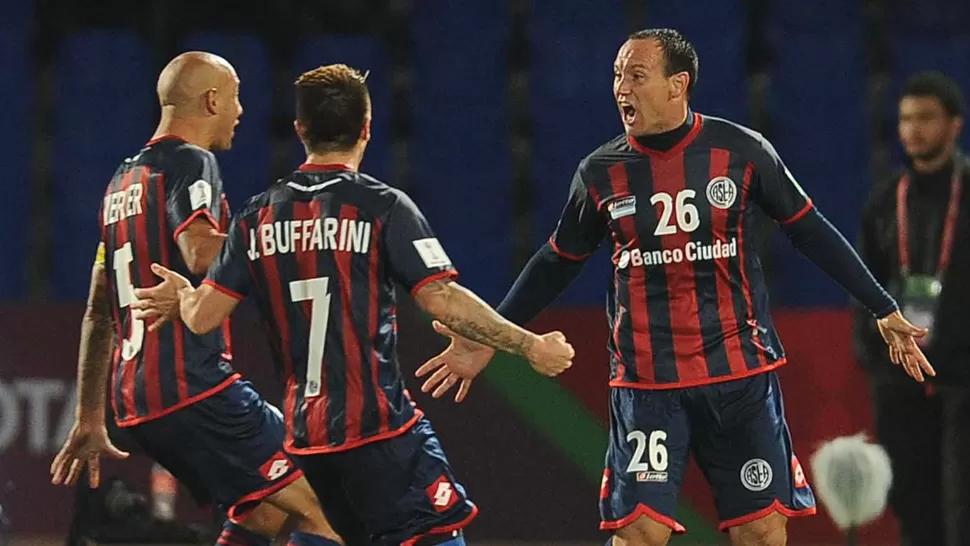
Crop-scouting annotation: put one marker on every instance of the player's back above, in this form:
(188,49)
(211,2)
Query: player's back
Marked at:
(321,247)
(152,197)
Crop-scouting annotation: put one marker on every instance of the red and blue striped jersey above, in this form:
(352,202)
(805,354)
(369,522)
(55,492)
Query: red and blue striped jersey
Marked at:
(152,197)
(320,253)
(689,302)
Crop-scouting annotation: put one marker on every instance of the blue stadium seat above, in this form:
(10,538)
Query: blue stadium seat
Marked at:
(363,53)
(937,17)
(816,15)
(15,148)
(718,30)
(459,156)
(104,105)
(917,52)
(245,168)
(573,112)
(818,97)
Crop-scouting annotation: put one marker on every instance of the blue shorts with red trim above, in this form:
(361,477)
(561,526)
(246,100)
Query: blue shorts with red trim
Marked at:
(737,433)
(391,492)
(226,448)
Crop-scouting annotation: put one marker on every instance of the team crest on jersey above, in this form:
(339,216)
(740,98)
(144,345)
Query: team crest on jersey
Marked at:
(624,206)
(722,192)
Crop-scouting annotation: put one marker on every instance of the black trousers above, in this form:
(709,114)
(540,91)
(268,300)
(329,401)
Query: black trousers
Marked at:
(926,433)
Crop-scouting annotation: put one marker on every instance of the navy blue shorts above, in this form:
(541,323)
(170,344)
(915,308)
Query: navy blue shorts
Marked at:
(227,448)
(737,433)
(390,492)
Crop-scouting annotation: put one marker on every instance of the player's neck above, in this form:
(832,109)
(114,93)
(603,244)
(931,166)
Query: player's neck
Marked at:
(934,164)
(349,158)
(672,120)
(181,128)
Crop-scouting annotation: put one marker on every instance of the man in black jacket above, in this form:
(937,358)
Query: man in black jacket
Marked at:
(914,238)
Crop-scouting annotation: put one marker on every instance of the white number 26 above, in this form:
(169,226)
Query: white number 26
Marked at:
(657,452)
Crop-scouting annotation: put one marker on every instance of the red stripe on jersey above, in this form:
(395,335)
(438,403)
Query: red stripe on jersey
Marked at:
(151,349)
(685,324)
(128,372)
(745,287)
(720,160)
(353,380)
(275,295)
(372,311)
(307,268)
(636,286)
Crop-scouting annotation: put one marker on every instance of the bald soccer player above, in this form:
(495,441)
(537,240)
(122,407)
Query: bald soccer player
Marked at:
(176,393)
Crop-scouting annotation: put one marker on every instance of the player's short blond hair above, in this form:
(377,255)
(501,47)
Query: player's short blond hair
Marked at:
(332,104)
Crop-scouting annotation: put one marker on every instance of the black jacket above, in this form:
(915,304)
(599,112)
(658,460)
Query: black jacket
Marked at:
(929,194)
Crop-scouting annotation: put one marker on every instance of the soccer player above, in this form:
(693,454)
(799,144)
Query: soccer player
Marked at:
(320,252)
(174,391)
(693,349)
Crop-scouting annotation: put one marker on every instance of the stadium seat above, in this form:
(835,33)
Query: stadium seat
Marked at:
(363,53)
(104,106)
(459,153)
(573,112)
(245,168)
(817,15)
(917,52)
(937,17)
(820,132)
(16,138)
(718,29)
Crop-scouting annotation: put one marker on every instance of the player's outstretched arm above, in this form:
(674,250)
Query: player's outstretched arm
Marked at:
(201,309)
(88,438)
(466,314)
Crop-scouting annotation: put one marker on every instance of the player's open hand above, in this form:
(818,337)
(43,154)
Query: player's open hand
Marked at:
(551,354)
(901,337)
(159,303)
(84,446)
(460,363)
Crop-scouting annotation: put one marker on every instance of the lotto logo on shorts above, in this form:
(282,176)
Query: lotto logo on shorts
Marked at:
(797,473)
(442,494)
(276,467)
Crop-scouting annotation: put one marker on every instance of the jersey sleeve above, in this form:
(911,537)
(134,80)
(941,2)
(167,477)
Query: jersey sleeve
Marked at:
(413,254)
(230,273)
(581,227)
(192,189)
(775,189)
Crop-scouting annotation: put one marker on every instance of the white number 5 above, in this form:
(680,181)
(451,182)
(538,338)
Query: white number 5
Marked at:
(317,292)
(126,296)
(658,451)
(687,218)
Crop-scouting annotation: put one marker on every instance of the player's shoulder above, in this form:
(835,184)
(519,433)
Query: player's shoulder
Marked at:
(613,151)
(730,135)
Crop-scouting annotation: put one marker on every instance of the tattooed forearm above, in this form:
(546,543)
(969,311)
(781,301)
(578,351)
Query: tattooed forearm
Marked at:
(465,313)
(94,353)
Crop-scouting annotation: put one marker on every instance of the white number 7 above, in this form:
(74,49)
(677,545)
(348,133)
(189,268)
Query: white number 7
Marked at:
(316,291)
(126,296)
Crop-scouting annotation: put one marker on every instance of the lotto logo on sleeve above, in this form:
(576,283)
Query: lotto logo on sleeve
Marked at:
(276,467)
(442,494)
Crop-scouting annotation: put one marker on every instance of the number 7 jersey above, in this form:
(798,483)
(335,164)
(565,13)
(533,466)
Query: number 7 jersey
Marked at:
(150,200)
(689,303)
(320,252)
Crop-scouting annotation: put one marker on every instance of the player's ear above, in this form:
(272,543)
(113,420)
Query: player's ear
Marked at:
(678,85)
(957,126)
(365,130)
(211,101)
